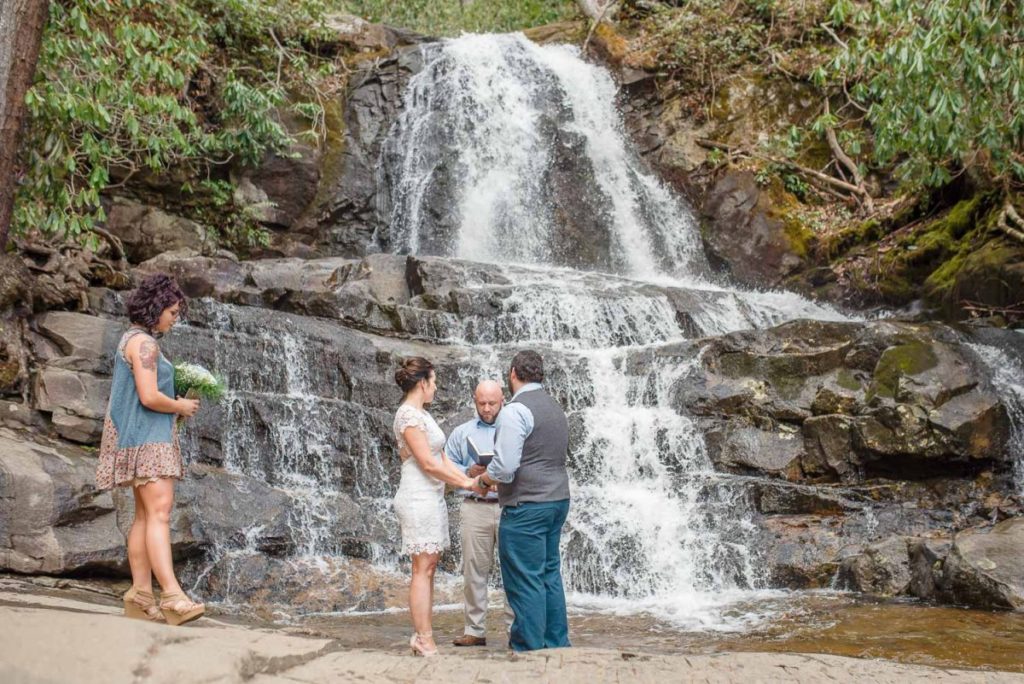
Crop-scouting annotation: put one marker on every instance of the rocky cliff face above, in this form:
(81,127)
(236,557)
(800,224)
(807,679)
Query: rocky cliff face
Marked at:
(879,455)
(871,452)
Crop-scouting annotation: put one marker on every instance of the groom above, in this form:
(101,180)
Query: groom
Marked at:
(533,489)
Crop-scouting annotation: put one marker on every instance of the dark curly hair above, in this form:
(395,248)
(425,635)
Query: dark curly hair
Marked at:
(154,294)
(529,366)
(411,371)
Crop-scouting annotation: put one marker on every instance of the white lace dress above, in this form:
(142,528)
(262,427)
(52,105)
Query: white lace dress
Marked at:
(419,502)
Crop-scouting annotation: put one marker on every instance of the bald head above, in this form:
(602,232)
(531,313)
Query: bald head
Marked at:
(488,399)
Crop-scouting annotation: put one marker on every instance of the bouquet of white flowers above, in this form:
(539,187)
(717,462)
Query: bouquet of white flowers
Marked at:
(195,382)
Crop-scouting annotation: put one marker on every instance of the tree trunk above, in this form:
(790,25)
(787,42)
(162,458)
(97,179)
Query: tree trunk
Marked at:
(21,33)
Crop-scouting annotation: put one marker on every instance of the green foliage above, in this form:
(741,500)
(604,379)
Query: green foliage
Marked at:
(212,203)
(165,89)
(796,185)
(942,82)
(700,44)
(451,17)
(715,157)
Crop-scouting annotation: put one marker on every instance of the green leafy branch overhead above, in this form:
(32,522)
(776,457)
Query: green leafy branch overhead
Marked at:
(170,89)
(940,84)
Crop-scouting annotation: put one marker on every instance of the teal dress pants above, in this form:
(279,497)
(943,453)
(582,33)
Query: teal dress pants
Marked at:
(531,570)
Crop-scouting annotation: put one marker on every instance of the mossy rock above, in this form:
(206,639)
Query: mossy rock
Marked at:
(754,231)
(992,275)
(911,358)
(885,264)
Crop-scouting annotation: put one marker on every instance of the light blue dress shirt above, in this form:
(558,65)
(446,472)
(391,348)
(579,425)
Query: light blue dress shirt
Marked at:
(514,425)
(458,451)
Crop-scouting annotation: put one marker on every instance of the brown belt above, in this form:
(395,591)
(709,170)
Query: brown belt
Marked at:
(480,499)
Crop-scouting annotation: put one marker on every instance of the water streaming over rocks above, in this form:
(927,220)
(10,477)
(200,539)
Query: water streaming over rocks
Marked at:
(1008,378)
(606,281)
(523,148)
(530,223)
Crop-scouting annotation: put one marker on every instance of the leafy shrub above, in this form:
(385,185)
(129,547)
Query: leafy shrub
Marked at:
(942,84)
(451,17)
(168,89)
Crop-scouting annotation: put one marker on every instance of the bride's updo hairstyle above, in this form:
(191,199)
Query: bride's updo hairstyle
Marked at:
(411,371)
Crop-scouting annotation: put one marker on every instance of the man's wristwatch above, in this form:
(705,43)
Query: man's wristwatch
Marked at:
(482,479)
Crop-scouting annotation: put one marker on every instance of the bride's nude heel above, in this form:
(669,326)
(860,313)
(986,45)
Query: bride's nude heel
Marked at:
(417,647)
(140,605)
(179,609)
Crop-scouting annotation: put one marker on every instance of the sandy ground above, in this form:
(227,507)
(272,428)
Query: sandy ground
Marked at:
(48,637)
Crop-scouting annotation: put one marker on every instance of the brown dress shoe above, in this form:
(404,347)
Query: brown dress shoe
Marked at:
(470,640)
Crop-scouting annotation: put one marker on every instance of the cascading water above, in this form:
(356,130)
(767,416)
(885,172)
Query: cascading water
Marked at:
(477,167)
(508,150)
(1008,377)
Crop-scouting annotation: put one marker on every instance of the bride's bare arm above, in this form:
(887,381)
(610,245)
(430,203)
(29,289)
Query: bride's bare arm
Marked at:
(450,465)
(417,441)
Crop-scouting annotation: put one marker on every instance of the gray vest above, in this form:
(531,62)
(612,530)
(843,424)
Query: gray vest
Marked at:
(541,475)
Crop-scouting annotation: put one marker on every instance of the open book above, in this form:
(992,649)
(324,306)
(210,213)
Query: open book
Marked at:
(481,457)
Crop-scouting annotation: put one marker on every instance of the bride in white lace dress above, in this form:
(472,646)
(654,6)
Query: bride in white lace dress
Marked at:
(419,502)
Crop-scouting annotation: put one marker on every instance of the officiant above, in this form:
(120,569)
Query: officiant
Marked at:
(470,446)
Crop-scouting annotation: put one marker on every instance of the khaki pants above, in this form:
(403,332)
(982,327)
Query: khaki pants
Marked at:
(479,540)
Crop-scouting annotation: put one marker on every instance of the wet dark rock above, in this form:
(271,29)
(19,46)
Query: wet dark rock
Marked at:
(273,587)
(775,497)
(926,560)
(801,551)
(882,569)
(345,217)
(745,232)
(985,567)
(900,400)
(741,447)
(828,449)
(807,550)
(214,508)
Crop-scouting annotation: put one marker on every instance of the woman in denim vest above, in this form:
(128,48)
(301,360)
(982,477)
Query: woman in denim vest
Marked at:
(139,448)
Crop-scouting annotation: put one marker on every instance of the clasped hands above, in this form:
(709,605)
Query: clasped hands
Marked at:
(475,471)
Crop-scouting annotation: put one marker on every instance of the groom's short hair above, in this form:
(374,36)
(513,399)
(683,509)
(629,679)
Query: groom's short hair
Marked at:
(528,365)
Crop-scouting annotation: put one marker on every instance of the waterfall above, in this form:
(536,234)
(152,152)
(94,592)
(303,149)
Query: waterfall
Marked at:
(509,152)
(512,157)
(1008,378)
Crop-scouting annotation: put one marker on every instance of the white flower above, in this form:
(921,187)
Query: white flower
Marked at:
(194,374)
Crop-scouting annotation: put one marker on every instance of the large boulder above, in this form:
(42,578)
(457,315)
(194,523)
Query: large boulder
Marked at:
(802,551)
(926,560)
(213,508)
(882,568)
(146,231)
(344,215)
(985,567)
(750,234)
(78,342)
(76,401)
(73,385)
(885,398)
(53,520)
(740,447)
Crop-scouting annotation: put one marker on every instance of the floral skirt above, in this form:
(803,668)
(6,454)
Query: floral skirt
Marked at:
(137,465)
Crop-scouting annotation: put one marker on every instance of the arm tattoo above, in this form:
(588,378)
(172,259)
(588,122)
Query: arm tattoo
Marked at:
(148,354)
